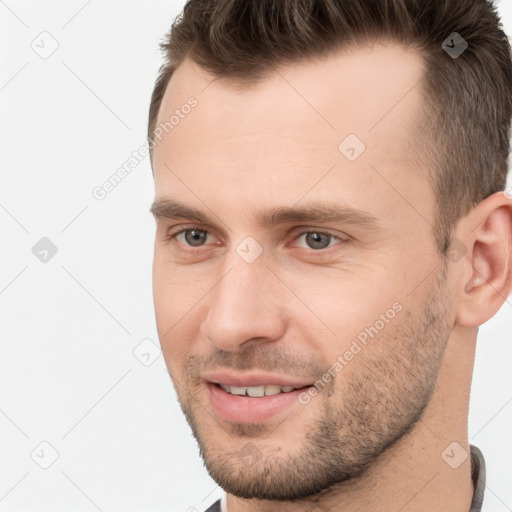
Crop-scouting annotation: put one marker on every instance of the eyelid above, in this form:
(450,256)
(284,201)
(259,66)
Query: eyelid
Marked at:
(296,233)
(320,231)
(170,235)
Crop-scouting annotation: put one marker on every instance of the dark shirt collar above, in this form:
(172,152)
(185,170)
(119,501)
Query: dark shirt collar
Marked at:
(478,477)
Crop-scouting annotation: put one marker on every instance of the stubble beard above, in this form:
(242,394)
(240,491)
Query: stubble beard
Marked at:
(357,420)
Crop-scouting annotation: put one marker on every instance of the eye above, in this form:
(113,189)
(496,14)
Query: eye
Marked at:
(317,240)
(192,237)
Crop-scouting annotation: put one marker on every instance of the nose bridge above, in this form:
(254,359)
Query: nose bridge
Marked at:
(243,305)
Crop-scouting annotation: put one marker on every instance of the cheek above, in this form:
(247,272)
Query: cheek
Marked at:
(174,290)
(344,306)
(179,302)
(170,308)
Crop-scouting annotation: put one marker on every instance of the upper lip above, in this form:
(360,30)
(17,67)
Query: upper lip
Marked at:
(253,379)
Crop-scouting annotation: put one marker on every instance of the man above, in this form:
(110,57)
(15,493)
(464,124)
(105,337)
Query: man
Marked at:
(332,228)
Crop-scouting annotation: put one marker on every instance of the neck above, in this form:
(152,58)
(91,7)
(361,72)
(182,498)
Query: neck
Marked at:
(413,475)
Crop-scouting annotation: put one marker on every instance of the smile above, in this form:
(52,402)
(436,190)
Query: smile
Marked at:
(256,391)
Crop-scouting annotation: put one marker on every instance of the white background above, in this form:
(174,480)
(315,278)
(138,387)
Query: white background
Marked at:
(68,375)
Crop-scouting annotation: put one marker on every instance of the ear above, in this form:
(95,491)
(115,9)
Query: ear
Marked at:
(486,233)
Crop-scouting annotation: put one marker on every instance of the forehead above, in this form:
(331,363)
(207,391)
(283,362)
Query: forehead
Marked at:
(280,131)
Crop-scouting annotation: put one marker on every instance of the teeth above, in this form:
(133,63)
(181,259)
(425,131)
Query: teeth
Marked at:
(237,391)
(257,391)
(273,389)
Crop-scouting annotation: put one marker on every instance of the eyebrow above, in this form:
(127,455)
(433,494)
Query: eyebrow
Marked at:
(315,212)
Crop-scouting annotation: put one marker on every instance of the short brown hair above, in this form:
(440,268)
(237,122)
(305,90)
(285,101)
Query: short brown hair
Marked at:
(464,129)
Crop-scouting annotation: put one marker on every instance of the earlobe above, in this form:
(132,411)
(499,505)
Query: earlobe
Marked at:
(489,237)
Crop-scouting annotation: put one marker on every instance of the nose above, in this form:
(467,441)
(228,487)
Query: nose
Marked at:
(246,306)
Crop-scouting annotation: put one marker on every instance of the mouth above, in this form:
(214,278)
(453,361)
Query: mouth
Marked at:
(255,402)
(258,391)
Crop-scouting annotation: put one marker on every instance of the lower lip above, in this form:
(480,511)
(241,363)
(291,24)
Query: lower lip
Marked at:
(246,409)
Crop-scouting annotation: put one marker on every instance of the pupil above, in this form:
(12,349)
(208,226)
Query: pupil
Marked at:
(315,239)
(195,237)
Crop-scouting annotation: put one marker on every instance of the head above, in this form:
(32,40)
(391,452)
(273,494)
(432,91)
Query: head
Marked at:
(328,204)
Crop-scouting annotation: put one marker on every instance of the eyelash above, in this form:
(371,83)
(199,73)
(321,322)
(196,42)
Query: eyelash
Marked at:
(171,236)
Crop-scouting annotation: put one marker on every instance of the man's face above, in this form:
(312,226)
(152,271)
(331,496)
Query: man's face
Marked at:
(357,303)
